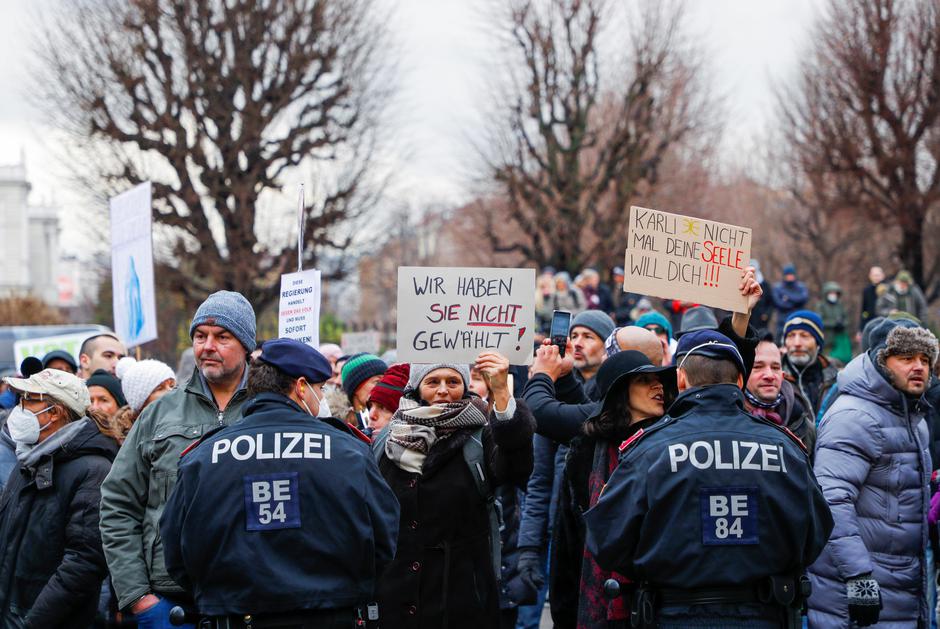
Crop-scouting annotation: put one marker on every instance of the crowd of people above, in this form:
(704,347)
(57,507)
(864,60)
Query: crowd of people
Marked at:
(667,465)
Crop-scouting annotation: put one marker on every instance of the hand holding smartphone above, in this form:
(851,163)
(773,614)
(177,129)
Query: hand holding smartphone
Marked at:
(561,324)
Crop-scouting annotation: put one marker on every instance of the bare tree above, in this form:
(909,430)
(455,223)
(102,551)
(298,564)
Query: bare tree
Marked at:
(862,125)
(216,102)
(571,153)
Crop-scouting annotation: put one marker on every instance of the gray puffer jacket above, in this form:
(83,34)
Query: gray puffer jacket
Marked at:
(874,468)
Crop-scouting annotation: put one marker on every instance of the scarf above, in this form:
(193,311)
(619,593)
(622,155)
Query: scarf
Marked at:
(414,429)
(764,409)
(594,608)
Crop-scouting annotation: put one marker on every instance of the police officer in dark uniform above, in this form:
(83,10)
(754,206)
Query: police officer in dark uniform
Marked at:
(713,512)
(283,519)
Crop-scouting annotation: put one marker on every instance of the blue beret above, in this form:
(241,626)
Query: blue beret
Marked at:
(296,360)
(710,343)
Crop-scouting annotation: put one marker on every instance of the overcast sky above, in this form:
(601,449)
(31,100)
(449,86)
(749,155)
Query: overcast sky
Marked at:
(446,55)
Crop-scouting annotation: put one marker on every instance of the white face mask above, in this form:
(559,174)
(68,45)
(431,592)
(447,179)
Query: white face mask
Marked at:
(324,406)
(24,425)
(324,410)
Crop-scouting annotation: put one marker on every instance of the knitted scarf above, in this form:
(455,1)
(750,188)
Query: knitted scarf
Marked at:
(764,409)
(414,429)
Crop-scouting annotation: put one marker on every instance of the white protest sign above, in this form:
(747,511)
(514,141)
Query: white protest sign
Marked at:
(135,311)
(298,315)
(358,342)
(686,258)
(41,346)
(451,314)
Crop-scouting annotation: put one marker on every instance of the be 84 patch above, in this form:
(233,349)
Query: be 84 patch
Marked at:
(272,501)
(729,515)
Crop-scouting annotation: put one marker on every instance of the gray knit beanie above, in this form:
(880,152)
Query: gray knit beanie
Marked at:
(597,321)
(420,370)
(230,310)
(903,341)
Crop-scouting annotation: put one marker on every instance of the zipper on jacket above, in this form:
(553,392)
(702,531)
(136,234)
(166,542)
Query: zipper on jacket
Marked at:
(221,418)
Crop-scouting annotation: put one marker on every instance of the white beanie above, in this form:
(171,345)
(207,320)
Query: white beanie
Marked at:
(140,378)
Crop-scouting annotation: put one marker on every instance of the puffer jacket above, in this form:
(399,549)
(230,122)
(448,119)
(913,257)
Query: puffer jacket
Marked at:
(51,564)
(873,465)
(144,473)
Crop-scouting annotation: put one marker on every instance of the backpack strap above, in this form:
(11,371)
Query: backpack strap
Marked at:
(473,455)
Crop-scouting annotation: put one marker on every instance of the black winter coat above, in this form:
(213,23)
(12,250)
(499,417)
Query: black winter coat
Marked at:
(442,576)
(51,562)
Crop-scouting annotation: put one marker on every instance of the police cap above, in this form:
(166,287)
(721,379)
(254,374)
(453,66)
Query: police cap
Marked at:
(296,360)
(711,344)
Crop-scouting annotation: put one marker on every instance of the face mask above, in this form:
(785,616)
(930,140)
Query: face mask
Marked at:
(832,298)
(24,425)
(324,410)
(324,406)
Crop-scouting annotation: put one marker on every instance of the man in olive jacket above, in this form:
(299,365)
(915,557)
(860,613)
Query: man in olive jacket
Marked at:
(144,472)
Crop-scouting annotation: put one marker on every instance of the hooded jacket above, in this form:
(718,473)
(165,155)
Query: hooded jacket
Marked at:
(874,468)
(51,562)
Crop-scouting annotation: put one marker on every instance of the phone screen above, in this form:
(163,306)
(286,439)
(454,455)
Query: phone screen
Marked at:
(561,322)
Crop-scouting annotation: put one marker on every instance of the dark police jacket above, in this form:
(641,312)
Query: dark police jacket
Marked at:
(709,496)
(279,512)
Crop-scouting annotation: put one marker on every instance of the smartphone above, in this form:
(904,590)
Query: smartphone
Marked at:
(561,323)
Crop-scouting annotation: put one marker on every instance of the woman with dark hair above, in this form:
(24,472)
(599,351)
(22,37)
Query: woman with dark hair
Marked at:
(444,453)
(635,395)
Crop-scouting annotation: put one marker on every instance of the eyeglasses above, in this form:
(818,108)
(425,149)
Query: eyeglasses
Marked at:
(656,329)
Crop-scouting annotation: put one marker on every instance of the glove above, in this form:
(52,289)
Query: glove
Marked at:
(864,599)
(529,567)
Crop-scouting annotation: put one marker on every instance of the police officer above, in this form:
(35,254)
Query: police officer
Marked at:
(281,520)
(713,512)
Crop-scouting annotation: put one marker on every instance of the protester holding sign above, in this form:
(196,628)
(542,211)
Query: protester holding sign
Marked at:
(444,455)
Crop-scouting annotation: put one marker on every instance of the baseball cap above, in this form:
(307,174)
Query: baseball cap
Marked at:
(297,360)
(708,343)
(63,386)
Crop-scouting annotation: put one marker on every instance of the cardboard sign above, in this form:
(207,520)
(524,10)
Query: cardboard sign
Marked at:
(135,310)
(451,314)
(39,347)
(686,258)
(357,342)
(298,315)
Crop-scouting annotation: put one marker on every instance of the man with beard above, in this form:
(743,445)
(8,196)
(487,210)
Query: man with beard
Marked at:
(873,463)
(804,365)
(144,472)
(768,395)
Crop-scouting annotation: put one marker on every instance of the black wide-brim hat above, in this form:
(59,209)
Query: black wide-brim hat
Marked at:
(617,370)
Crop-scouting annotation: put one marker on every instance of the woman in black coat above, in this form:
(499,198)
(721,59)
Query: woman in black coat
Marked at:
(635,395)
(443,576)
(51,562)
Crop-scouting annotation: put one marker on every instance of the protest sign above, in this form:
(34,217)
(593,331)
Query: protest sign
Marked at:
(41,346)
(451,314)
(135,311)
(690,259)
(358,342)
(298,314)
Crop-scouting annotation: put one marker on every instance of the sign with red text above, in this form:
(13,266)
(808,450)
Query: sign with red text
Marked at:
(298,314)
(451,314)
(686,258)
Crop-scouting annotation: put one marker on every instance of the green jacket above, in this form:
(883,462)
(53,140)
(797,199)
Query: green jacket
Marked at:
(143,475)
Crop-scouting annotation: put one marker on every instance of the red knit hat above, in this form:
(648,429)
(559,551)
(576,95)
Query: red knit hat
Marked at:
(389,389)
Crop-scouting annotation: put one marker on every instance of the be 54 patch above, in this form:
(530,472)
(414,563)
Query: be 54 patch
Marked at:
(272,501)
(729,515)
